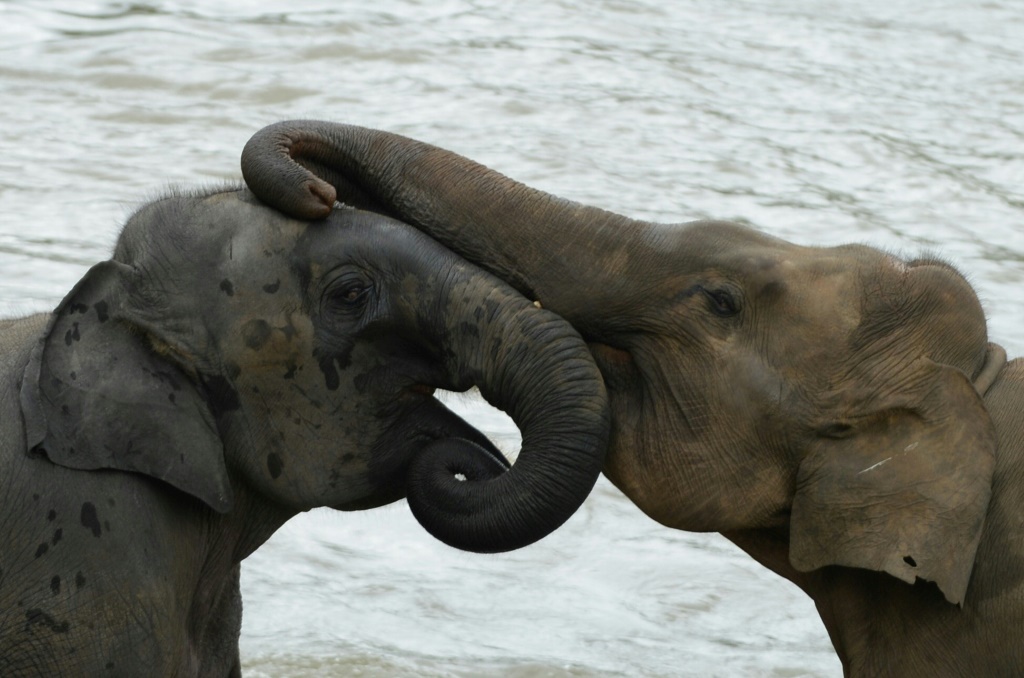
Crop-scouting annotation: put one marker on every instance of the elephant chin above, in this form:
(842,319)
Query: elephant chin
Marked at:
(419,436)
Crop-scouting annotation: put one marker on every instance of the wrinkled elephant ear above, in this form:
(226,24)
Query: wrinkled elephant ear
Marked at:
(906,491)
(96,396)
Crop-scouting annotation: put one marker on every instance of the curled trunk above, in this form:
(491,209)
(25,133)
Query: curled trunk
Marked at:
(533,365)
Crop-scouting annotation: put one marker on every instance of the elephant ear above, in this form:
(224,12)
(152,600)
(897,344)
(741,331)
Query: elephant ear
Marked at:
(96,396)
(906,490)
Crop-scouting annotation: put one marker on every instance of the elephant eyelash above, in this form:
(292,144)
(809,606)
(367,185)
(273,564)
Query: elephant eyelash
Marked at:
(353,294)
(721,302)
(349,296)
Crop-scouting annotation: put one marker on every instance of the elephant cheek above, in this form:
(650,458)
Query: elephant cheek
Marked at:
(272,345)
(621,464)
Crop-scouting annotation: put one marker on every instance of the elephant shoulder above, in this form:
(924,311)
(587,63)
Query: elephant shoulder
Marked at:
(999,569)
(17,338)
(1005,404)
(81,546)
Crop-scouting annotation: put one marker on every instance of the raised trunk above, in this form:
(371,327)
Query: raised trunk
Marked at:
(546,247)
(533,365)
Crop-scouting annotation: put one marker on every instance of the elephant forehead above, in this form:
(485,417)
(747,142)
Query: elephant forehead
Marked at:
(245,230)
(808,310)
(812,288)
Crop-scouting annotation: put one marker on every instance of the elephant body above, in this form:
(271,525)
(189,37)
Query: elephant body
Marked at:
(229,368)
(839,413)
(86,587)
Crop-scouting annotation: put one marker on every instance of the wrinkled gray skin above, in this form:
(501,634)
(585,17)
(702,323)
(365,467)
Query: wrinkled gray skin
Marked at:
(837,413)
(231,367)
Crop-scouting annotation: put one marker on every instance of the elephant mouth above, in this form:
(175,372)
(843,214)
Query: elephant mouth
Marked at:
(616,365)
(414,395)
(609,355)
(422,390)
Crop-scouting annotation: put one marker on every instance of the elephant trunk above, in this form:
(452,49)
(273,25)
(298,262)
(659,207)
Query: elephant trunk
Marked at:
(546,247)
(533,365)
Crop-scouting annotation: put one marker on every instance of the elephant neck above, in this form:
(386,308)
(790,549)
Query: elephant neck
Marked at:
(872,618)
(231,537)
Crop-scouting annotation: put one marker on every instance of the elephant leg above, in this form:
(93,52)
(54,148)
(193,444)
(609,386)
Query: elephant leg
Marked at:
(222,628)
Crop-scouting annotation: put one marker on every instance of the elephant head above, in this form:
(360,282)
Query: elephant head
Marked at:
(755,385)
(227,346)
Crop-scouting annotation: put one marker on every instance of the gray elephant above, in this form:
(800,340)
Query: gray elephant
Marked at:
(229,368)
(838,413)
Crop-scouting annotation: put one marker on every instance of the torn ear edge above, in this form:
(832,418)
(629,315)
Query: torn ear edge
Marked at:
(96,396)
(907,493)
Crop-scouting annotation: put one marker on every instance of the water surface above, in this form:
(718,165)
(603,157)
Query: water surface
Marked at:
(894,124)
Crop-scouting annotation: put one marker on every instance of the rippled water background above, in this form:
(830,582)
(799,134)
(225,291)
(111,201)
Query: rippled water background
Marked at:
(894,124)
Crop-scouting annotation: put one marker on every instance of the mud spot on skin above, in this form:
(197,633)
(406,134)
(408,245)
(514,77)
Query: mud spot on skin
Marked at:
(55,584)
(256,333)
(292,367)
(79,580)
(274,465)
(90,519)
(51,516)
(331,378)
(272,287)
(227,288)
(57,534)
(72,335)
(36,617)
(102,311)
(222,394)
(496,347)
(77,307)
(42,549)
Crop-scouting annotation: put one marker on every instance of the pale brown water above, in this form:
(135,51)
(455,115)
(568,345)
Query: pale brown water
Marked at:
(895,124)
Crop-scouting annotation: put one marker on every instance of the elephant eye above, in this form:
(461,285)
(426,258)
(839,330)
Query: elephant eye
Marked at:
(349,293)
(352,293)
(722,302)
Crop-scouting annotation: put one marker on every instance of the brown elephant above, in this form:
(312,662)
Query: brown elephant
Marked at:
(838,413)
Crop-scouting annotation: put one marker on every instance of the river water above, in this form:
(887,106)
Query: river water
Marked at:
(894,124)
